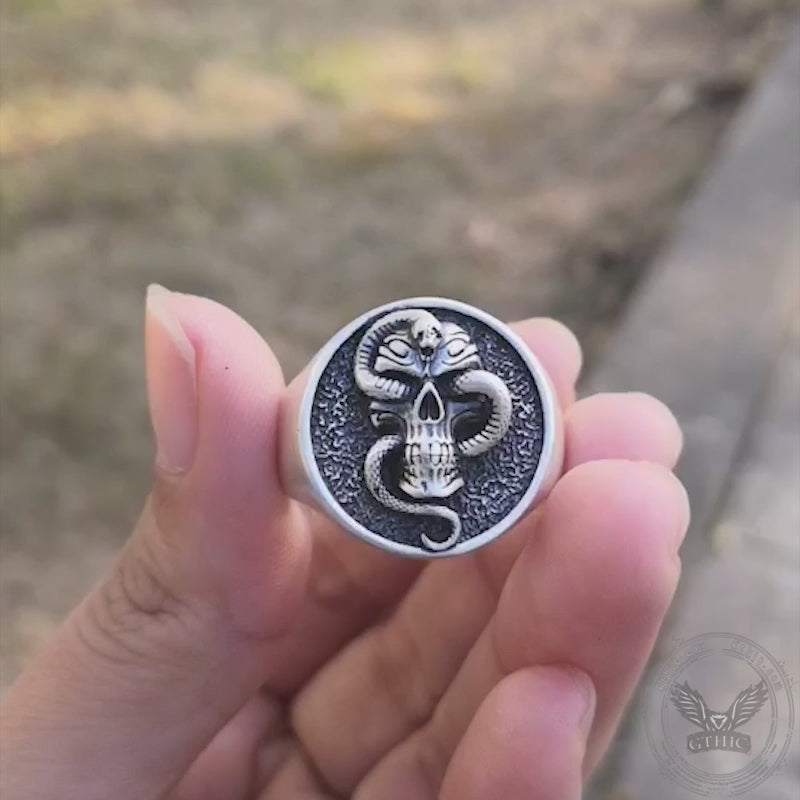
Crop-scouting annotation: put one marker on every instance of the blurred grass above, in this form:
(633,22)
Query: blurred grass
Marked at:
(366,72)
(44,10)
(224,100)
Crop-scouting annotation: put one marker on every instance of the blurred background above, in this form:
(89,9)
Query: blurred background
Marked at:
(302,162)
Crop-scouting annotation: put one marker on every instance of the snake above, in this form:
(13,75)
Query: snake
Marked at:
(425,329)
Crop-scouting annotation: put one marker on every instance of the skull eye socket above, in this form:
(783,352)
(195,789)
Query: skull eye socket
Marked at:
(398,348)
(456,347)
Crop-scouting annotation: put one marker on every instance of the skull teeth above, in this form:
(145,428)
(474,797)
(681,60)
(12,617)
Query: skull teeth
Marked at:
(431,453)
(431,469)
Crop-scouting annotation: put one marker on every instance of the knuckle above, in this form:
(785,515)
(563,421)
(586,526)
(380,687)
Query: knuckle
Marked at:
(135,616)
(337,585)
(394,656)
(431,757)
(139,588)
(651,587)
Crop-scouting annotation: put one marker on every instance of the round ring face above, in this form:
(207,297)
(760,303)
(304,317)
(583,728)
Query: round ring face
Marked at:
(427,427)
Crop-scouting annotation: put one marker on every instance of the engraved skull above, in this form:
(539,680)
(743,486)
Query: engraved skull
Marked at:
(434,404)
(430,466)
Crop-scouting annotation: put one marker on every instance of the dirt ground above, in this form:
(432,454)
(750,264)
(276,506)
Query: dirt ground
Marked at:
(302,162)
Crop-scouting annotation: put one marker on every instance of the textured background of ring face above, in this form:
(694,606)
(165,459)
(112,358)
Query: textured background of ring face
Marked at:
(341,435)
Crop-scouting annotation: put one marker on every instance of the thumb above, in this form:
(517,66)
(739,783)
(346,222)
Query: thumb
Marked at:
(174,640)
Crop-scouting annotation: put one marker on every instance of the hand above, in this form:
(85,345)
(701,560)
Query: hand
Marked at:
(243,647)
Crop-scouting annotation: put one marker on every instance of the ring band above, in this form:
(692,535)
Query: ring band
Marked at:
(427,428)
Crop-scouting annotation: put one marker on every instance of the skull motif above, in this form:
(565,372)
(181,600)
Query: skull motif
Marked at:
(434,404)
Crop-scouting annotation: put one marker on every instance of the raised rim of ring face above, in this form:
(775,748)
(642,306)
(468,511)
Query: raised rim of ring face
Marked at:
(329,502)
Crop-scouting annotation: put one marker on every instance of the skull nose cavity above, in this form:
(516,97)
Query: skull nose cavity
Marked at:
(429,406)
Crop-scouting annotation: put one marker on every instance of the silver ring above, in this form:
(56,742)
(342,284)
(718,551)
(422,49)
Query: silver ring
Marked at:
(427,428)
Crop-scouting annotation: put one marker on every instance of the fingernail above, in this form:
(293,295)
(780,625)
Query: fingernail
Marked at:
(588,698)
(171,383)
(685,516)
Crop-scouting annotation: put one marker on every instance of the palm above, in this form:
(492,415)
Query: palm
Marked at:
(371,691)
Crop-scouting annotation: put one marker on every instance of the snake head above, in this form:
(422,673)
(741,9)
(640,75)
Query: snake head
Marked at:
(427,335)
